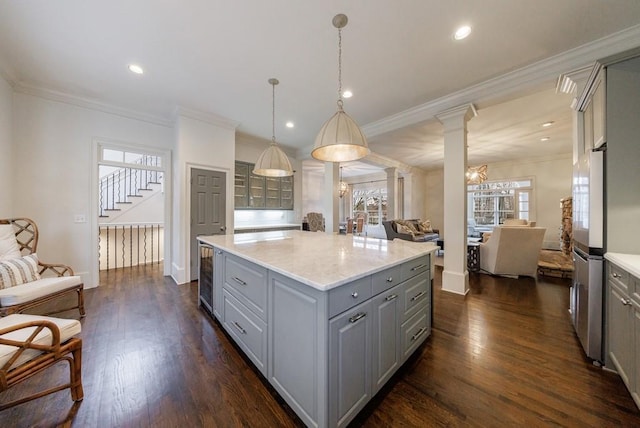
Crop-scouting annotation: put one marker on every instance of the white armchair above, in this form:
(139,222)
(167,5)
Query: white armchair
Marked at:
(512,251)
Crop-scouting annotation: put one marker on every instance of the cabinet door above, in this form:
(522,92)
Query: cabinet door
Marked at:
(620,333)
(218,280)
(386,317)
(286,193)
(256,191)
(273,192)
(350,363)
(241,182)
(598,102)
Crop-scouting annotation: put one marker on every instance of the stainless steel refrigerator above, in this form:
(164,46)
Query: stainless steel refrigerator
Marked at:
(588,251)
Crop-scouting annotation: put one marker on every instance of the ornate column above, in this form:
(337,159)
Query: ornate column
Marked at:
(455,277)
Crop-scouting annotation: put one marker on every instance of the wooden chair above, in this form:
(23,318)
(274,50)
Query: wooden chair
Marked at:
(30,344)
(57,279)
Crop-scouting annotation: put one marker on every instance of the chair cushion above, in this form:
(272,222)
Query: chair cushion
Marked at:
(68,329)
(33,290)
(9,248)
(18,271)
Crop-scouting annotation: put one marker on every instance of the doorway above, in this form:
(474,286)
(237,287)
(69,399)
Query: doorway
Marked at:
(208,209)
(131,204)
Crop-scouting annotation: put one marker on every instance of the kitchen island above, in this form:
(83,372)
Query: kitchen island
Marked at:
(327,319)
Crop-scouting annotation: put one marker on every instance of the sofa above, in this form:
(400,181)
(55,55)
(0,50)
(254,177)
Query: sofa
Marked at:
(410,230)
(512,251)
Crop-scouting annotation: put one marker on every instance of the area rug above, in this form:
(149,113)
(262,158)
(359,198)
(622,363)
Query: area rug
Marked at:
(555,264)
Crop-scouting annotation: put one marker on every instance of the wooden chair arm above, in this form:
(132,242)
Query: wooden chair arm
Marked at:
(22,346)
(57,269)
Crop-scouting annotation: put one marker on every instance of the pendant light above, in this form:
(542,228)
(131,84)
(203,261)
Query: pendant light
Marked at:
(273,162)
(340,139)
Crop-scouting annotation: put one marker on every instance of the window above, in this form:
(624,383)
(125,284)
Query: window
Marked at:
(373,202)
(491,202)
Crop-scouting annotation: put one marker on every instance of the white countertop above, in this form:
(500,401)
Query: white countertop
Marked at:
(266,226)
(320,260)
(628,262)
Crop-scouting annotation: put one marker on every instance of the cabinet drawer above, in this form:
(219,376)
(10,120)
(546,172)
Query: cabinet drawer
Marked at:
(620,277)
(250,282)
(348,295)
(414,267)
(249,331)
(416,294)
(386,279)
(414,331)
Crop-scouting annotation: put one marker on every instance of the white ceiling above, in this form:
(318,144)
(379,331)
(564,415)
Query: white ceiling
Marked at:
(399,59)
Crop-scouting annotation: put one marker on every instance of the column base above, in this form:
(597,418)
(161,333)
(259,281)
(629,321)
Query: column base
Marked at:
(455,282)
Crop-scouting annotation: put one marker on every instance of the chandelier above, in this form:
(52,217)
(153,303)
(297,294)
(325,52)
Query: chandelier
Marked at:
(476,174)
(340,139)
(343,187)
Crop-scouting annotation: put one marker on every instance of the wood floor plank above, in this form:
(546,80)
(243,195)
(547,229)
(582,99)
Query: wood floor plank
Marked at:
(504,355)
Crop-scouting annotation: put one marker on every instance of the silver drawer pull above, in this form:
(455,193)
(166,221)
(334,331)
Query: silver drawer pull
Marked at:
(239,281)
(615,275)
(239,327)
(391,297)
(354,294)
(218,252)
(625,302)
(357,317)
(417,296)
(420,266)
(418,334)
(390,279)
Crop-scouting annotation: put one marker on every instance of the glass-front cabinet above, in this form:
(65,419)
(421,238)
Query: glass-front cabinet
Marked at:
(258,192)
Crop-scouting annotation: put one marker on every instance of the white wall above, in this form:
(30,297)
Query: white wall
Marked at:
(552,182)
(54,162)
(205,144)
(6,158)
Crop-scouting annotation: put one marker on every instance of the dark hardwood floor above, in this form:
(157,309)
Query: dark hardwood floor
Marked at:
(505,355)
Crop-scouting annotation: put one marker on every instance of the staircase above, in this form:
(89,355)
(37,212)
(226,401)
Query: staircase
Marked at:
(125,187)
(131,220)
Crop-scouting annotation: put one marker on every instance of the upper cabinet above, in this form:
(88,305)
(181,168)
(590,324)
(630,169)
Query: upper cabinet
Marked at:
(592,107)
(258,192)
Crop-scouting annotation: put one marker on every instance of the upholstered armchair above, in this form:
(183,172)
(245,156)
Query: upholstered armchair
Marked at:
(316,222)
(512,251)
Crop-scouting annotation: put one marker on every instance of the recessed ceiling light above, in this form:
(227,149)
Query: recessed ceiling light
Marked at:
(462,32)
(545,139)
(134,68)
(347,94)
(547,124)
(289,125)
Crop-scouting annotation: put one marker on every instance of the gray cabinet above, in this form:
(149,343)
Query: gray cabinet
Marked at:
(258,192)
(623,327)
(218,278)
(350,336)
(386,316)
(243,287)
(325,352)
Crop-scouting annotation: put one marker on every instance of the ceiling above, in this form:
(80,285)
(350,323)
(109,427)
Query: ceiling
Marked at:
(399,59)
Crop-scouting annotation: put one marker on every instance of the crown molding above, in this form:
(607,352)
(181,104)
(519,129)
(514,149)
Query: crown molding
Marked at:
(90,104)
(521,79)
(210,118)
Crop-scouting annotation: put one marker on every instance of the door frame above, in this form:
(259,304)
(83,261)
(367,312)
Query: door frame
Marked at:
(186,245)
(168,197)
